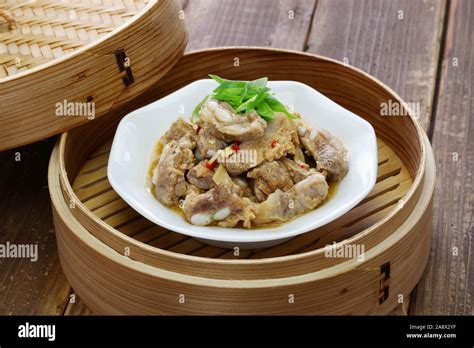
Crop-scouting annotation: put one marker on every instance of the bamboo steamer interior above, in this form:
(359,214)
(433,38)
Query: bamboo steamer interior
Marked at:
(119,262)
(104,52)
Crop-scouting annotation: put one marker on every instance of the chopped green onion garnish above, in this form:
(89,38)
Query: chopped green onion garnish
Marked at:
(244,97)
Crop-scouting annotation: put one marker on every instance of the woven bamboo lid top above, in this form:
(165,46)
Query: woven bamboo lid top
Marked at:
(33,32)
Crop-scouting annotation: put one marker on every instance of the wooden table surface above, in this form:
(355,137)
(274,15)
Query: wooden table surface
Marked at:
(423,49)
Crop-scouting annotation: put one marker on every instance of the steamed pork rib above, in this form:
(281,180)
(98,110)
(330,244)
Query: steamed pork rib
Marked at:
(268,177)
(207,143)
(243,188)
(283,206)
(220,205)
(299,154)
(178,129)
(297,170)
(224,123)
(279,139)
(328,151)
(201,176)
(192,189)
(168,176)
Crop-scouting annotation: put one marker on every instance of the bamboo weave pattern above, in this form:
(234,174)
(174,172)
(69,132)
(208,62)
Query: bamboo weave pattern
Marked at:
(33,32)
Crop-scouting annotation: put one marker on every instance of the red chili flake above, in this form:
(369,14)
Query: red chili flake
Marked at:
(235,147)
(302,166)
(274,143)
(211,165)
(198,128)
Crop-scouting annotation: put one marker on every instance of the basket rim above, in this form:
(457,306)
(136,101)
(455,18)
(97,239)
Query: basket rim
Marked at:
(405,228)
(84,49)
(66,185)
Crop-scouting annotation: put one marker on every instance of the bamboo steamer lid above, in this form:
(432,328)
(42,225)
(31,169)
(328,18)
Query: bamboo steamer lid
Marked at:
(64,63)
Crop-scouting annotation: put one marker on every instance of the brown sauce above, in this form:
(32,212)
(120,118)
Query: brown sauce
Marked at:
(179,211)
(157,150)
(333,185)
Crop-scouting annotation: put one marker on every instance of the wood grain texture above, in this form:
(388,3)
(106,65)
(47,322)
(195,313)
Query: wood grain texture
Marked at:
(28,287)
(399,48)
(403,308)
(77,308)
(447,286)
(274,23)
(403,53)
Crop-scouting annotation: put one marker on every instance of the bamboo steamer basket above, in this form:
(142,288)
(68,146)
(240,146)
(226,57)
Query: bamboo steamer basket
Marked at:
(120,263)
(80,51)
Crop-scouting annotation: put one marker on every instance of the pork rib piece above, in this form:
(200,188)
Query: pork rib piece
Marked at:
(328,151)
(220,204)
(178,129)
(243,188)
(268,177)
(207,143)
(279,139)
(201,176)
(282,206)
(168,176)
(297,171)
(226,124)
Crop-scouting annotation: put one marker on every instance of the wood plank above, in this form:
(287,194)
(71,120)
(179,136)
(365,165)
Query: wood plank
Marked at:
(28,287)
(403,53)
(273,23)
(447,286)
(396,41)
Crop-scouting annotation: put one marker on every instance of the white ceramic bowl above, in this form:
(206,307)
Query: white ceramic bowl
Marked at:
(138,132)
